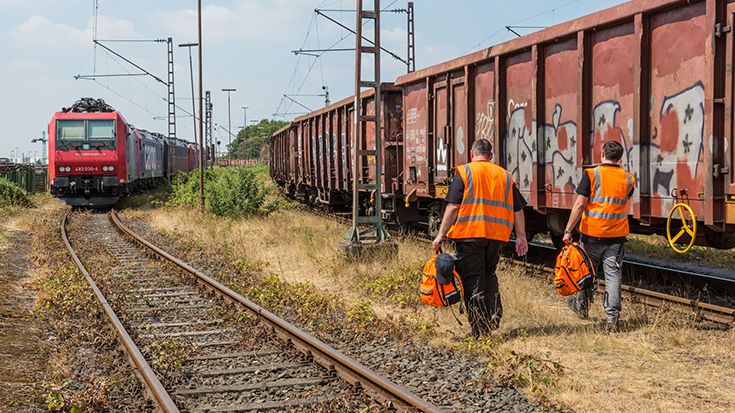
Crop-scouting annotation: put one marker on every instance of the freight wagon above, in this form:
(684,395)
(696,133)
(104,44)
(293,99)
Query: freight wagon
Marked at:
(654,75)
(312,157)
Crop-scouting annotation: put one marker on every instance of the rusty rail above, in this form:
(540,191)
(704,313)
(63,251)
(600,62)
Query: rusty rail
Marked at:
(154,386)
(711,312)
(389,393)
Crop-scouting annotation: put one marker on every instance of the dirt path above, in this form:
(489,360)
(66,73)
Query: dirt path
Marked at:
(23,356)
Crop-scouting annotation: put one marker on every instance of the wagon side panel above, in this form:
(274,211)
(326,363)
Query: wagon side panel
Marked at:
(416,140)
(519,141)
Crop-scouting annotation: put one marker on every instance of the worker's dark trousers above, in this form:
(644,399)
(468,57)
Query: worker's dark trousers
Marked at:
(476,264)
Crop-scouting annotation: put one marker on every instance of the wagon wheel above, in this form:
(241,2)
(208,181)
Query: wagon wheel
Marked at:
(688,228)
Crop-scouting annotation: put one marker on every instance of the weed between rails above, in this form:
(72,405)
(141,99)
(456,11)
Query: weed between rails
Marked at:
(88,371)
(167,356)
(299,302)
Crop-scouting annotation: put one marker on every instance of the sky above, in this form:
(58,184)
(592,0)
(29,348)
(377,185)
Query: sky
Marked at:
(247,45)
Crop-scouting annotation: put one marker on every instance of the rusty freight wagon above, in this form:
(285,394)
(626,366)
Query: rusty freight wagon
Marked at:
(655,75)
(312,157)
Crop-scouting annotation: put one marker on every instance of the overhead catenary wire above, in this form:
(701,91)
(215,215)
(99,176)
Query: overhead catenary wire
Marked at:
(124,97)
(292,80)
(95,13)
(151,90)
(318,55)
(525,19)
(127,99)
(318,46)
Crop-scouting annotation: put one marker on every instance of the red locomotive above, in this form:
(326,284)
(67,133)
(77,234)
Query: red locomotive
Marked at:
(97,157)
(652,75)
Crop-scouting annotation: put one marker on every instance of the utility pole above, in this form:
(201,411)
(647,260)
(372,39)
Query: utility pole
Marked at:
(201,111)
(229,125)
(208,127)
(367,230)
(244,129)
(171,91)
(193,97)
(326,95)
(43,146)
(411,53)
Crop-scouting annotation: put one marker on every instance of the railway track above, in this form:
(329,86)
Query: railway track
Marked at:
(229,362)
(546,253)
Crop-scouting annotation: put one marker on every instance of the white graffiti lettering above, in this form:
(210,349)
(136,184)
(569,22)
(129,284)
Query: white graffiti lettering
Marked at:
(485,122)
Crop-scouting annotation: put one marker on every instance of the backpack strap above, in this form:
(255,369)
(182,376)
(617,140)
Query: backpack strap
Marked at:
(588,261)
(455,315)
(587,258)
(461,295)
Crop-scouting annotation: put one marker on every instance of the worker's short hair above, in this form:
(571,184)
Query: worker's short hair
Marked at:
(482,147)
(613,151)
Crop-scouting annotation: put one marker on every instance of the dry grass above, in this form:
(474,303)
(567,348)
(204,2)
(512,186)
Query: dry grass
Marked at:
(658,246)
(660,362)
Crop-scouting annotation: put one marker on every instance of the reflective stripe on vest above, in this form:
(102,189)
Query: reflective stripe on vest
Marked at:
(487,205)
(606,212)
(488,202)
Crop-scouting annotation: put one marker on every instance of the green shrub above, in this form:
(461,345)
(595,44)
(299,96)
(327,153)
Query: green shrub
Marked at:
(230,192)
(13,195)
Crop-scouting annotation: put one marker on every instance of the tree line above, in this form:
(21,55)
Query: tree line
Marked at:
(252,142)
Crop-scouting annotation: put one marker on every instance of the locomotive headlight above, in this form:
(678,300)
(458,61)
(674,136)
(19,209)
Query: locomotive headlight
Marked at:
(104,168)
(68,169)
(61,169)
(110,168)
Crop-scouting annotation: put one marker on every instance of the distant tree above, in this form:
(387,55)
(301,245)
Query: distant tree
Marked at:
(256,142)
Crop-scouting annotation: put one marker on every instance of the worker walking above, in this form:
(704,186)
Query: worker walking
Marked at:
(602,205)
(483,207)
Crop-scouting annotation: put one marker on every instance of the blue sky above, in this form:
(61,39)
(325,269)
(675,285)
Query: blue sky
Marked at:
(247,46)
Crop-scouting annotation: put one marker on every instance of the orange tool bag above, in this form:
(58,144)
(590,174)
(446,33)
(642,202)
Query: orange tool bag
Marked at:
(573,271)
(440,284)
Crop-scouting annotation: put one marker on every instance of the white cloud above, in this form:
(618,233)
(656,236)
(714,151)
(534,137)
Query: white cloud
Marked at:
(40,31)
(246,19)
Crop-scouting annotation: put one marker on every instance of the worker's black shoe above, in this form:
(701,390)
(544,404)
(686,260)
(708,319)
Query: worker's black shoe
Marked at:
(580,311)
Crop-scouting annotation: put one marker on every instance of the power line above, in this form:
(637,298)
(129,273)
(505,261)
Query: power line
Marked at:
(320,52)
(124,97)
(525,19)
(142,84)
(303,82)
(298,62)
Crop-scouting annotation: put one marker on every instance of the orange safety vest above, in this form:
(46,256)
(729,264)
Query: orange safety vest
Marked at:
(606,212)
(487,204)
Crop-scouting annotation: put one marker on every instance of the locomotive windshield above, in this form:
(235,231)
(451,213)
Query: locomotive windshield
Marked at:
(85,134)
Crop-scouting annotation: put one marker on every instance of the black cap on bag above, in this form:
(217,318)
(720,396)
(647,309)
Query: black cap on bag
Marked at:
(444,268)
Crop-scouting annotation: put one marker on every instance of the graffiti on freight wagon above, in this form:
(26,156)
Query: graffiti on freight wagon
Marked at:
(485,122)
(606,128)
(677,144)
(561,152)
(520,147)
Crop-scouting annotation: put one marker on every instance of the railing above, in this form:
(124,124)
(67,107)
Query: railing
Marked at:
(32,178)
